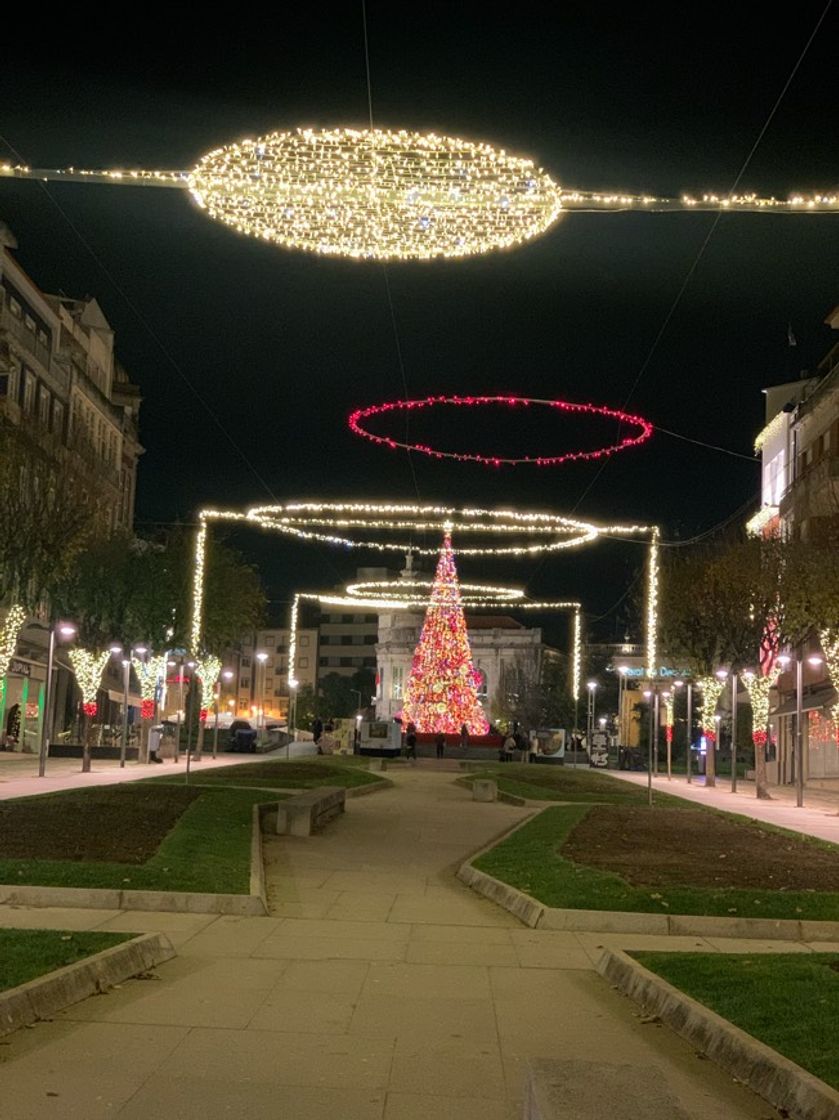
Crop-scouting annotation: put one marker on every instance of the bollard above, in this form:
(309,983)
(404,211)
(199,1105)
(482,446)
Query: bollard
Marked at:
(484,789)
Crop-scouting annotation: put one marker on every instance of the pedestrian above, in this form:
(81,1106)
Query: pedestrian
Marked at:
(464,735)
(440,743)
(317,730)
(411,742)
(509,747)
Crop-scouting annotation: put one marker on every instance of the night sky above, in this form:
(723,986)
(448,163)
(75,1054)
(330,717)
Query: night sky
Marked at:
(282,345)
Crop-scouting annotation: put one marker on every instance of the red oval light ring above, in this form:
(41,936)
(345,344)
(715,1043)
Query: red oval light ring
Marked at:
(641,429)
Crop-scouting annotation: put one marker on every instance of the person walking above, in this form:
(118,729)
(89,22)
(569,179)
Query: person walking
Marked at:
(440,743)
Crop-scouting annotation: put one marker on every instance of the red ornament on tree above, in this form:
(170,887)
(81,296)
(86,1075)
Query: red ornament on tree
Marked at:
(90,708)
(442,689)
(147,709)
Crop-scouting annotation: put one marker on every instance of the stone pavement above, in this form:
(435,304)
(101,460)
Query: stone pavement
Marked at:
(819,816)
(379,989)
(19,772)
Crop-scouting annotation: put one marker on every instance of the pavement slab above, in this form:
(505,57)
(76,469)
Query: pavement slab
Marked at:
(379,988)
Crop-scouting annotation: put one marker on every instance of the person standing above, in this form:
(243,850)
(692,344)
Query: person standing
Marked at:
(411,742)
(317,730)
(440,743)
(464,735)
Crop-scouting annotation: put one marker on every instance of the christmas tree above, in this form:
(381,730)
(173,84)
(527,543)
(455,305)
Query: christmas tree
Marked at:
(442,689)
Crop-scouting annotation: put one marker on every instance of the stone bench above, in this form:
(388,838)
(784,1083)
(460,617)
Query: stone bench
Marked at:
(302,814)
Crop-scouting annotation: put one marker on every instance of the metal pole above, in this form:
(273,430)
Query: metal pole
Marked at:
(655,729)
(733,732)
(689,732)
(650,758)
(189,728)
(126,669)
(215,727)
(669,734)
(180,711)
(46,726)
(799,736)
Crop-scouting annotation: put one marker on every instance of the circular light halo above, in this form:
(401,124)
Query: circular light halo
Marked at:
(645,429)
(406,591)
(331,521)
(376,194)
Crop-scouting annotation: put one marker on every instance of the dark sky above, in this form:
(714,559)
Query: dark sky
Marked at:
(282,345)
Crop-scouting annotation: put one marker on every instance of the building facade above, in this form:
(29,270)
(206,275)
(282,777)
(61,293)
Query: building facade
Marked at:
(61,383)
(799,449)
(502,649)
(258,690)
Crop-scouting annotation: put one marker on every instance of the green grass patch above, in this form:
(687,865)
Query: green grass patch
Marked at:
(28,953)
(207,849)
(530,859)
(278,773)
(564,783)
(790,1001)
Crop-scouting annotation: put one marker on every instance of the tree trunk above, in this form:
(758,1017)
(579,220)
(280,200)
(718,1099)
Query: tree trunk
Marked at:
(761,785)
(710,760)
(199,742)
(86,728)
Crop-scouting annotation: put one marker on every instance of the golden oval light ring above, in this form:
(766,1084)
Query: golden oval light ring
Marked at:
(375,193)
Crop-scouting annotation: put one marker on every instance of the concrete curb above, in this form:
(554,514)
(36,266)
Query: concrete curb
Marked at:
(370,787)
(257,879)
(538,916)
(42,997)
(785,1085)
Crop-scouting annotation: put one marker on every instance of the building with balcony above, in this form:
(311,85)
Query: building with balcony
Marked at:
(259,689)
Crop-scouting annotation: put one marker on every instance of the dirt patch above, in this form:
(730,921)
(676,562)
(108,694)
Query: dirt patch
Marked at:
(671,847)
(117,824)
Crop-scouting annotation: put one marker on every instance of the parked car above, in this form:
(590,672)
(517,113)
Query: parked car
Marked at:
(242,736)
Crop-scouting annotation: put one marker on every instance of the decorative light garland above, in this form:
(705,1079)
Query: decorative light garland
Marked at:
(646,429)
(88,667)
(379,194)
(208,671)
(775,426)
(758,522)
(712,688)
(577,657)
(758,687)
(829,638)
(9,633)
(668,717)
(150,671)
(652,604)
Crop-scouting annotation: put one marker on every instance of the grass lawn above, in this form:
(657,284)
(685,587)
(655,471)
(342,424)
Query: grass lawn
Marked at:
(531,860)
(790,1001)
(564,783)
(278,773)
(27,953)
(205,848)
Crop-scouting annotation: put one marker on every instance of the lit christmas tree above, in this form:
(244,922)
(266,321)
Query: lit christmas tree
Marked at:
(442,689)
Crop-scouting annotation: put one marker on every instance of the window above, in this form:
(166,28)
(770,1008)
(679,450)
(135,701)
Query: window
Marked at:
(370,639)
(345,662)
(42,337)
(347,618)
(278,692)
(246,663)
(302,663)
(245,682)
(323,662)
(4,384)
(44,406)
(357,640)
(58,418)
(28,391)
(369,662)
(304,639)
(30,323)
(15,308)
(396,683)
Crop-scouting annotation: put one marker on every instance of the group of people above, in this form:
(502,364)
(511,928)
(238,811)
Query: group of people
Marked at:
(439,741)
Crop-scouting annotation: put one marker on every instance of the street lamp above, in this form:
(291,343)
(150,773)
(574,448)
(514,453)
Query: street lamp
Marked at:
(622,738)
(648,696)
(783,661)
(117,651)
(292,713)
(227,674)
(63,631)
(591,686)
(261,657)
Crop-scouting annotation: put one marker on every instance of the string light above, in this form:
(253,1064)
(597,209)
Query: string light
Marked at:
(652,604)
(382,195)
(9,631)
(208,671)
(441,694)
(775,426)
(577,660)
(758,687)
(88,668)
(149,672)
(668,717)
(712,688)
(645,428)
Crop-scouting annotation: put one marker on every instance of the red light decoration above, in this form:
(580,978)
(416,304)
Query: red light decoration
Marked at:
(147,709)
(442,689)
(90,709)
(644,429)
(202,715)
(759,737)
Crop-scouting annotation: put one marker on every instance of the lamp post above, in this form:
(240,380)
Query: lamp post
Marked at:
(191,666)
(734,686)
(622,738)
(668,732)
(126,675)
(66,631)
(292,714)
(591,688)
(676,686)
(261,657)
(784,661)
(648,696)
(227,674)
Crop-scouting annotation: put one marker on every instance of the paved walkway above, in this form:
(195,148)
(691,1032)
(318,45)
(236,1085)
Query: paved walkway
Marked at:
(379,989)
(819,816)
(19,772)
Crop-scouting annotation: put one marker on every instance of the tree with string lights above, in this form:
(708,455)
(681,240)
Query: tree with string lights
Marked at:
(442,690)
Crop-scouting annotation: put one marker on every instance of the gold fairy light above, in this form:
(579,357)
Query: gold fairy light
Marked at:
(88,666)
(380,194)
(9,632)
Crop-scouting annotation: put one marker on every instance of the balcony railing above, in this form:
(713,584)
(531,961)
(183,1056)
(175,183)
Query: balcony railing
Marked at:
(27,338)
